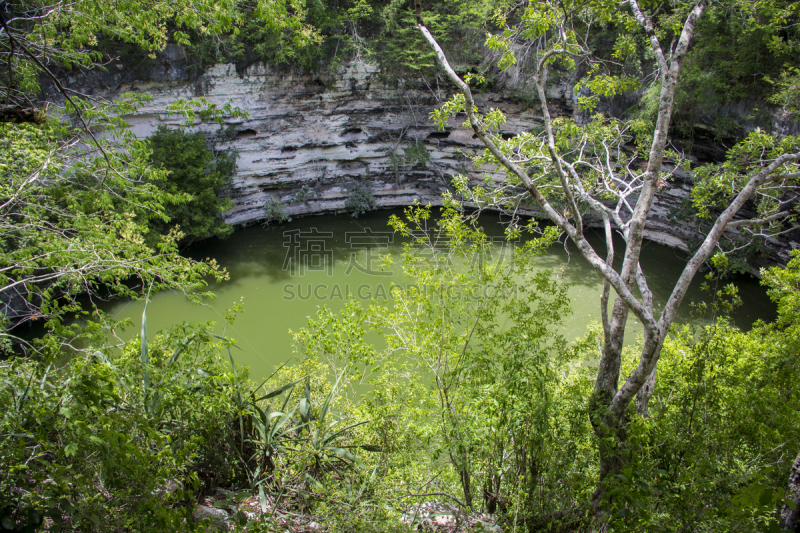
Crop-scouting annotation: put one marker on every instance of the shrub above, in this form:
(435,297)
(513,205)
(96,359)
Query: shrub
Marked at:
(102,441)
(274,211)
(303,195)
(361,199)
(199,176)
(417,154)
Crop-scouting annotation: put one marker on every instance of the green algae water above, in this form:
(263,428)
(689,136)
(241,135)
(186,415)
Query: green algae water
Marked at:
(283,273)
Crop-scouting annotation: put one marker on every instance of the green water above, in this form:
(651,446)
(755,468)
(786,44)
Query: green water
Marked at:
(283,273)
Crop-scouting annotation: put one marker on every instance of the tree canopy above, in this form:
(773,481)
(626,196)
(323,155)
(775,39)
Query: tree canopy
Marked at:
(78,187)
(687,429)
(195,170)
(571,170)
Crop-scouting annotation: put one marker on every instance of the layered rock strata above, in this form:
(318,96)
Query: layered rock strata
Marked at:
(310,137)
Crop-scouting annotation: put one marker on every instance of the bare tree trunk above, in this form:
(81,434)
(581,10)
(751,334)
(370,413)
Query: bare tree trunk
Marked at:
(610,401)
(790,518)
(611,428)
(645,393)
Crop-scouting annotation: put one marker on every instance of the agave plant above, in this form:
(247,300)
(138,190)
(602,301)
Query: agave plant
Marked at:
(324,439)
(260,432)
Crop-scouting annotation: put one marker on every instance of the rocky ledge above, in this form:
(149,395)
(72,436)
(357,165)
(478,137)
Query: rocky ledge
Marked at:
(310,138)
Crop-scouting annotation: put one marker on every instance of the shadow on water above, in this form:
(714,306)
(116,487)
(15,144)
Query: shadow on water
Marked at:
(263,251)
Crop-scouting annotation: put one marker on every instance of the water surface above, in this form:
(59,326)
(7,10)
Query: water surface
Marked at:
(283,273)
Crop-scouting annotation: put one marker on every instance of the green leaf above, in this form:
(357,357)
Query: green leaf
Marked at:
(274,372)
(281,390)
(341,452)
(328,400)
(262,499)
(70,449)
(285,418)
(233,365)
(143,343)
(304,407)
(313,481)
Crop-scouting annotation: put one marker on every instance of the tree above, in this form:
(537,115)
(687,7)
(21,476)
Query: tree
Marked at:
(490,375)
(195,170)
(360,199)
(572,171)
(75,183)
(784,289)
(469,357)
(68,225)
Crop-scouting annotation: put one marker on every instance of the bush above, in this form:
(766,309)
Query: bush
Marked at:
(113,441)
(454,396)
(274,211)
(129,441)
(417,154)
(199,176)
(361,199)
(472,385)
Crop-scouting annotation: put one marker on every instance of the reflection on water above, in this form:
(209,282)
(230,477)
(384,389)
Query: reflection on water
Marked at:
(283,273)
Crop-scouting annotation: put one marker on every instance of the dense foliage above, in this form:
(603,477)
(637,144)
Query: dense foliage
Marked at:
(470,394)
(196,171)
(335,31)
(78,189)
(745,45)
(499,416)
(572,170)
(68,223)
(745,56)
(461,387)
(113,439)
(360,200)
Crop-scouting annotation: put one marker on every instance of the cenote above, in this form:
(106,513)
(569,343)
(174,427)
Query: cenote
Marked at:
(283,273)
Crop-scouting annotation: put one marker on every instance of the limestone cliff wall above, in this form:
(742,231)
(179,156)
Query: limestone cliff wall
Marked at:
(324,132)
(310,137)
